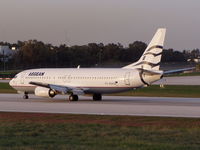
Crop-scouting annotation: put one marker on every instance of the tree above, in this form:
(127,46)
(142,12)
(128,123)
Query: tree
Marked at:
(33,54)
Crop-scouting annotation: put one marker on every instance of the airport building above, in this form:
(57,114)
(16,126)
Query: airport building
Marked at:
(6,52)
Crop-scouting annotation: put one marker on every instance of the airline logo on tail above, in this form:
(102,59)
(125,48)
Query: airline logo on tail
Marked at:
(151,57)
(150,52)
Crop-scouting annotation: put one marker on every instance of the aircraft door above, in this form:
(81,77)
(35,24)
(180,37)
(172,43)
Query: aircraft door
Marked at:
(22,78)
(67,79)
(127,78)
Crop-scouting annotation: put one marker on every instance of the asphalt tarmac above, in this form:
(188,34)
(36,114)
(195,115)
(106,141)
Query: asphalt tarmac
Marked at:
(187,80)
(110,105)
(4,81)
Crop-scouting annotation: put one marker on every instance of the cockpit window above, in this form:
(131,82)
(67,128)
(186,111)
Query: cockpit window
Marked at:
(15,76)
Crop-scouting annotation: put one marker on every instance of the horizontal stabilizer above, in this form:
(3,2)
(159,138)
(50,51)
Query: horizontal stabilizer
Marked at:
(178,71)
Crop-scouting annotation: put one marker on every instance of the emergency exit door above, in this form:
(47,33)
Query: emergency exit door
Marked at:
(127,78)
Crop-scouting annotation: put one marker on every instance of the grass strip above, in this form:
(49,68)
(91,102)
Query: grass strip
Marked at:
(29,131)
(167,91)
(5,88)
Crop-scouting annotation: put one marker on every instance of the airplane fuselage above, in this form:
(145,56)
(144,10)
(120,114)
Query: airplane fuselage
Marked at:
(91,80)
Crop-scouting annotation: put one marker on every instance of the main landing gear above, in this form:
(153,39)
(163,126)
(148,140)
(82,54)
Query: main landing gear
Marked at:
(25,95)
(97,97)
(73,97)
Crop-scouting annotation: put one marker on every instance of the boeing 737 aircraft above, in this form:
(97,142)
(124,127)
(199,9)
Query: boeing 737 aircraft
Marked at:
(79,81)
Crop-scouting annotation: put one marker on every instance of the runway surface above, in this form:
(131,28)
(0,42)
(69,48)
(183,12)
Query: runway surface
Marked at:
(187,80)
(4,81)
(111,105)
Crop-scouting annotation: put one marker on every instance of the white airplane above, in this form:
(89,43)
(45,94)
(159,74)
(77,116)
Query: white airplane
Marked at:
(79,81)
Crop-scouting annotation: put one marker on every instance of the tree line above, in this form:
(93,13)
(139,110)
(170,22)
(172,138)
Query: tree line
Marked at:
(34,54)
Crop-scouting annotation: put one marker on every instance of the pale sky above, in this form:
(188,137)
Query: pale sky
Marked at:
(109,21)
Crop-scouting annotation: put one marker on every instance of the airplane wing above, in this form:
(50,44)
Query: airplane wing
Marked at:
(177,71)
(60,88)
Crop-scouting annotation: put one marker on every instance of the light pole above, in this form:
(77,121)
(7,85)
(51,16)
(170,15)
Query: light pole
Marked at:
(100,52)
(56,57)
(4,62)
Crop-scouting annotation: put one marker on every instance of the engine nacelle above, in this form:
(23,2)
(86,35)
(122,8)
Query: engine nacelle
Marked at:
(44,92)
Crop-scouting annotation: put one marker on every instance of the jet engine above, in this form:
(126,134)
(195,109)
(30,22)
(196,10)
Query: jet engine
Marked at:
(44,92)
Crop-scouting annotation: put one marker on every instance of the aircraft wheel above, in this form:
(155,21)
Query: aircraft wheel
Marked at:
(25,96)
(97,97)
(73,98)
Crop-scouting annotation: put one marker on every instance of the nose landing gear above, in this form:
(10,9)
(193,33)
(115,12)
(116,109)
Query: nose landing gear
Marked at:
(73,97)
(25,95)
(97,97)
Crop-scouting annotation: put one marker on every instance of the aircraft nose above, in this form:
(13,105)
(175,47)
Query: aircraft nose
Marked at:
(11,82)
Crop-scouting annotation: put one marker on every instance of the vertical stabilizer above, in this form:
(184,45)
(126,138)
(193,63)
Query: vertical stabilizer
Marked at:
(150,60)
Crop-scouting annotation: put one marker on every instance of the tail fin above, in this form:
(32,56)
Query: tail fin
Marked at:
(150,60)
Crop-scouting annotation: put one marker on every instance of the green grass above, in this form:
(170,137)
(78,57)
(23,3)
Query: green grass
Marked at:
(167,91)
(79,132)
(153,91)
(5,88)
(8,74)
